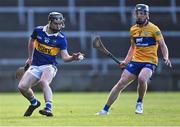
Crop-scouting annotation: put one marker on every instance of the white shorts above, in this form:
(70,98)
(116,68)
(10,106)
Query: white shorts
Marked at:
(38,70)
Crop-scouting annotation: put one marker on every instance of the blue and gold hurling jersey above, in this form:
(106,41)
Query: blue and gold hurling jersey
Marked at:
(145,39)
(47,46)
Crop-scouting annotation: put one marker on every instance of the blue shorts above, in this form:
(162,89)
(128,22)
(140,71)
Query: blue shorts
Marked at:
(136,67)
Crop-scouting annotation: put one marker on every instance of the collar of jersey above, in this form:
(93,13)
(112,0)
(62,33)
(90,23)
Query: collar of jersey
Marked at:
(45,28)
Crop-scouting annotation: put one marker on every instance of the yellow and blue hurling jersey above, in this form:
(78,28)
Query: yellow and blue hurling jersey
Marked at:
(146,40)
(47,46)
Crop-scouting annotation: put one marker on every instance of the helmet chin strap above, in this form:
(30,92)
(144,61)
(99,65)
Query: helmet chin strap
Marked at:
(54,30)
(142,22)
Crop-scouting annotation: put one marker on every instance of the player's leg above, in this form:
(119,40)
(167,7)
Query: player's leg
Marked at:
(143,79)
(125,80)
(25,84)
(45,80)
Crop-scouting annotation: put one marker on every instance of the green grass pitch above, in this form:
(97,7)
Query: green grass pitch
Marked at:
(78,109)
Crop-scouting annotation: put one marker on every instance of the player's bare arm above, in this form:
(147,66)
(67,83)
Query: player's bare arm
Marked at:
(128,56)
(68,58)
(165,52)
(30,51)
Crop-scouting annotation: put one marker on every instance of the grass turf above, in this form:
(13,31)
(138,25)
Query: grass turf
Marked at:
(78,109)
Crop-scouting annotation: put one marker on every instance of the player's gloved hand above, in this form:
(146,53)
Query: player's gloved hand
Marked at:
(28,61)
(167,62)
(122,65)
(77,56)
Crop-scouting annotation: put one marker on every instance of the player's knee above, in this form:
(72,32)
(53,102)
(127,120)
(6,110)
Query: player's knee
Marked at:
(43,83)
(22,87)
(142,80)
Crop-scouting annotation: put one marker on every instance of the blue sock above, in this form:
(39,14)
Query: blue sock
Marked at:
(48,105)
(33,101)
(139,99)
(106,108)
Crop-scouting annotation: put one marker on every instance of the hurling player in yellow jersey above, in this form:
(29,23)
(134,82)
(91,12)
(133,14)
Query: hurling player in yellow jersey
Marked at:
(45,44)
(141,59)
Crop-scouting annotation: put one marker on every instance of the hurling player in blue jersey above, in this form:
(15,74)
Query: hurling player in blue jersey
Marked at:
(45,44)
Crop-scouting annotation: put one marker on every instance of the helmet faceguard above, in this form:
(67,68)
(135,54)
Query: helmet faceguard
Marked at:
(56,21)
(142,8)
